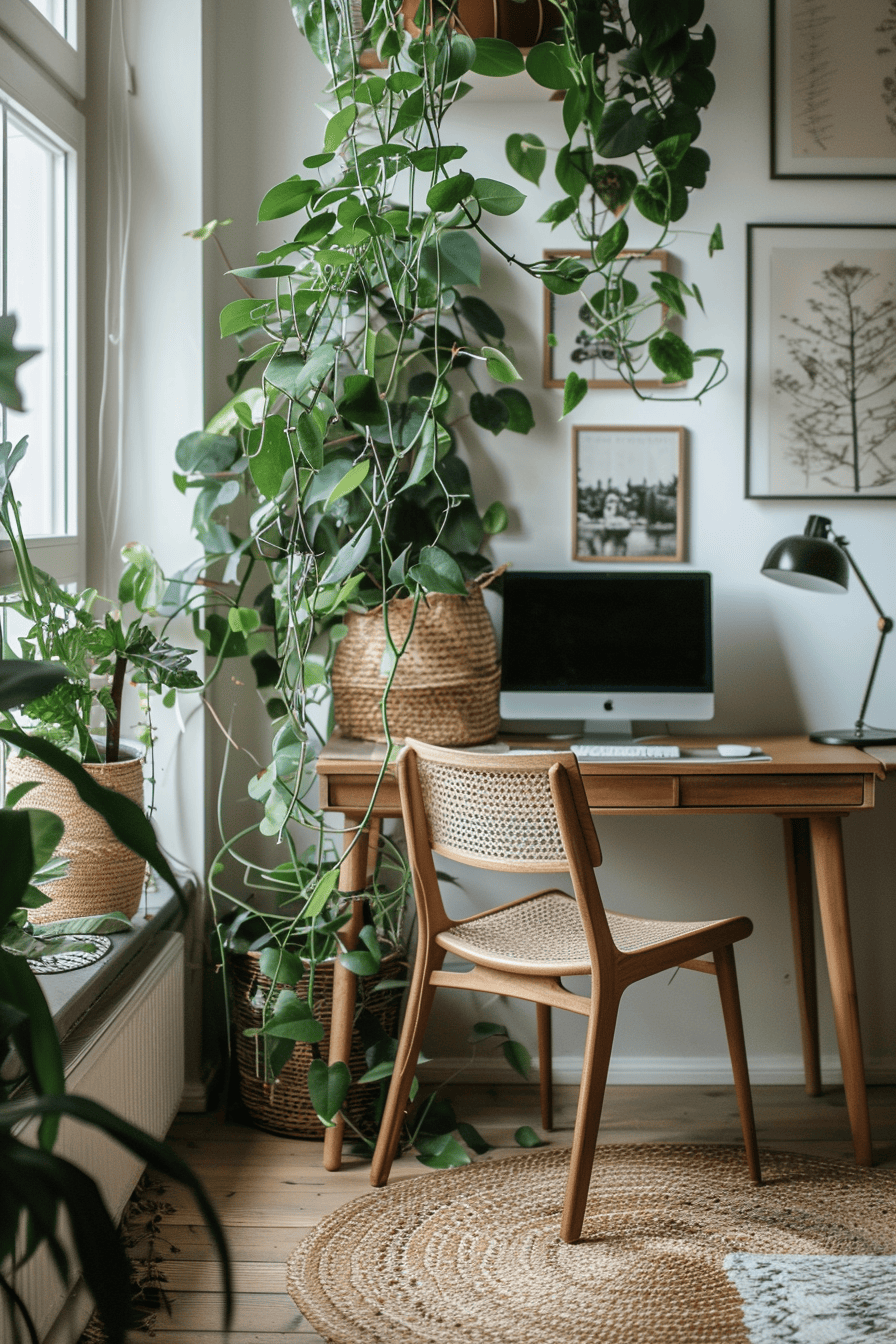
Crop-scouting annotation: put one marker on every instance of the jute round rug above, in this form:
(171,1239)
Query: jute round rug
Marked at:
(473,1256)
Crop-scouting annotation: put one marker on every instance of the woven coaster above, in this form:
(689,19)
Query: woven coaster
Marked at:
(474,1256)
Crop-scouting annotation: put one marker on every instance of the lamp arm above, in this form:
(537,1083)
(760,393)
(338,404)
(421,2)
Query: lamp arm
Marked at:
(884,625)
(844,545)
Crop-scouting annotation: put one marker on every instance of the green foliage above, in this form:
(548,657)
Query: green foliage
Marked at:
(632,83)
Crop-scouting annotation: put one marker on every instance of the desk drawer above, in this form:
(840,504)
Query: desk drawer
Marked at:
(772,791)
(609,791)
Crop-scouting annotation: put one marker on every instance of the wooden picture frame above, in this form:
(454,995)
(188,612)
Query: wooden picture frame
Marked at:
(561,319)
(628,493)
(820,425)
(833,89)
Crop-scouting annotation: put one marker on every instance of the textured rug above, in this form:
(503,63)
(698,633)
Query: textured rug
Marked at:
(473,1256)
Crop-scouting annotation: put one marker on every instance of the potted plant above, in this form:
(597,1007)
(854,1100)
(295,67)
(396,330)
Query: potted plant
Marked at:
(369,341)
(96,652)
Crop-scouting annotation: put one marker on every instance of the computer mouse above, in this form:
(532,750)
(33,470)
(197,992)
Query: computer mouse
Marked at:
(733,749)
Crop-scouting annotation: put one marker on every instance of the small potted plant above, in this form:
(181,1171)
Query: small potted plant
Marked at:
(96,653)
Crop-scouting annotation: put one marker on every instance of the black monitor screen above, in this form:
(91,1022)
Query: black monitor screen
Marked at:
(606,632)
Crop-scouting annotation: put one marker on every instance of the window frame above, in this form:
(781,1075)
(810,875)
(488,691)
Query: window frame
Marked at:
(63,59)
(34,96)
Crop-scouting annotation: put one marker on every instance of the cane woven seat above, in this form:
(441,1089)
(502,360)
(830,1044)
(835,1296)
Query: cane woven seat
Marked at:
(529,813)
(546,931)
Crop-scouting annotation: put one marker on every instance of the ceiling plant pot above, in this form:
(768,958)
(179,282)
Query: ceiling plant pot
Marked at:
(103,875)
(284,1106)
(524,23)
(446,684)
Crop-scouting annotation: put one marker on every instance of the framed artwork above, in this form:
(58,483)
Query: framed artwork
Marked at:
(628,493)
(821,361)
(833,88)
(569,319)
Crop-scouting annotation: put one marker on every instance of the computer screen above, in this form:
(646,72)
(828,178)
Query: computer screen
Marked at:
(604,647)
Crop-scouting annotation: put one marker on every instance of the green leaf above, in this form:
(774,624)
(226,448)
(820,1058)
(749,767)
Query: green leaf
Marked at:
(328,1087)
(449,194)
(526,1137)
(574,390)
(243,620)
(671,151)
(348,559)
(527,155)
(339,126)
(611,243)
(658,20)
(284,968)
(488,412)
(452,259)
(495,519)
(206,453)
(311,440)
(614,185)
(715,241)
(437,572)
(46,831)
(498,198)
(361,403)
(11,360)
(519,412)
(622,131)
(321,894)
(547,66)
(270,456)
(558,211)
(288,197)
(497,58)
(265,272)
(236,316)
(672,357)
(483,319)
(473,1139)
(566,276)
(483,1031)
(499,366)
(296,376)
(443,1151)
(517,1057)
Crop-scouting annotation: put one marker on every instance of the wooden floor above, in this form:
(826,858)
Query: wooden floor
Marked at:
(271,1192)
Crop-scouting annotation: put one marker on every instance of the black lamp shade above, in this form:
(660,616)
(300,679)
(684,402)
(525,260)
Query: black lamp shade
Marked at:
(809,561)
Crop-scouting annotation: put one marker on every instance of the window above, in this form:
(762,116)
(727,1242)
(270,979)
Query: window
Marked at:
(41,140)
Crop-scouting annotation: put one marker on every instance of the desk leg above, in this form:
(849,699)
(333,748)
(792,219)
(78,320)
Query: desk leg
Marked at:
(798,855)
(353,878)
(830,877)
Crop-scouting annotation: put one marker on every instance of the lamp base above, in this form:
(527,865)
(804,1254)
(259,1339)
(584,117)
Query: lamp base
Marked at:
(853,737)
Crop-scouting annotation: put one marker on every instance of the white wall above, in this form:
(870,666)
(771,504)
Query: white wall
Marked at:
(785,660)
(159,388)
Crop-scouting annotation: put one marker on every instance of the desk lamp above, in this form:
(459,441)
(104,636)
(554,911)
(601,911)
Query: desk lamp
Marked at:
(820,561)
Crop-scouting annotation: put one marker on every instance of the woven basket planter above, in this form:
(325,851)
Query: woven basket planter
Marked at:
(447,681)
(103,874)
(284,1107)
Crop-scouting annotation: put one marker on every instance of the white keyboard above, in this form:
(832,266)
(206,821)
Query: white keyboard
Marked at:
(597,751)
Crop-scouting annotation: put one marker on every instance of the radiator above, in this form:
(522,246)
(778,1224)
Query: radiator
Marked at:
(128,1053)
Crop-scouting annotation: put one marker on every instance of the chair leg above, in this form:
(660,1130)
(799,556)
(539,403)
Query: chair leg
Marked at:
(726,974)
(598,1048)
(545,1065)
(416,1017)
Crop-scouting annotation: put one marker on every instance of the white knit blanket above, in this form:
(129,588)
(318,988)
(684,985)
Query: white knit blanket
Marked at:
(816,1299)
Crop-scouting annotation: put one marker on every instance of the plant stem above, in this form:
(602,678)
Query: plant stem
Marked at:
(113,721)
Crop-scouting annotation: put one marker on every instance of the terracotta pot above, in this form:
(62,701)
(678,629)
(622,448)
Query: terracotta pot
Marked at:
(103,874)
(523,24)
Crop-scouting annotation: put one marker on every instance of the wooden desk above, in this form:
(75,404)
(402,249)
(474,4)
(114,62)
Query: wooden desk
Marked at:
(808,785)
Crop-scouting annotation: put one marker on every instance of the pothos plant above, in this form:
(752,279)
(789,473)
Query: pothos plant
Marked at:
(371,348)
(633,78)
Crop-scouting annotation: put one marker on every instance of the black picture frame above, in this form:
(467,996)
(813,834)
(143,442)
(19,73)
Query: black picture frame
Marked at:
(816,429)
(827,90)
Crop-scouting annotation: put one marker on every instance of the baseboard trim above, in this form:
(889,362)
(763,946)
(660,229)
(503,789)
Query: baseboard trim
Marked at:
(707,1071)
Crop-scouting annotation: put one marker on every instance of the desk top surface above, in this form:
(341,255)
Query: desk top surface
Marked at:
(789,755)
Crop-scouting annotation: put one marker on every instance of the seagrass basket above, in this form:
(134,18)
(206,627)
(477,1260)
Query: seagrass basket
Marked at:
(284,1107)
(103,874)
(447,682)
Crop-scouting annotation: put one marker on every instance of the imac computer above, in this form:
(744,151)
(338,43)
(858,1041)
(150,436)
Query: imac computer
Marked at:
(592,653)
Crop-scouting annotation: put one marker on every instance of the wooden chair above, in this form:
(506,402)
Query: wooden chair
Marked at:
(529,813)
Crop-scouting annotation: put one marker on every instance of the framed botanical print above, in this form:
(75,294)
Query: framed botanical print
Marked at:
(628,493)
(576,343)
(833,88)
(821,361)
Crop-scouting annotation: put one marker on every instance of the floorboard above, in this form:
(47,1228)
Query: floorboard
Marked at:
(270,1192)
